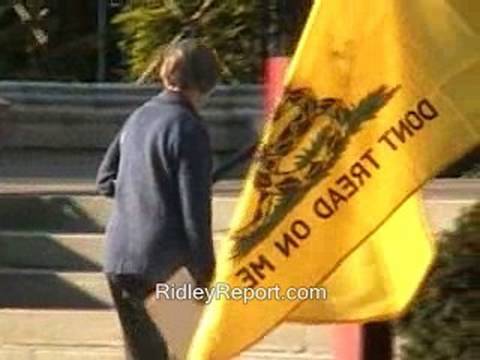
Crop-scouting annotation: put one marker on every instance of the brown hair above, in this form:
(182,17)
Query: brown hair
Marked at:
(189,64)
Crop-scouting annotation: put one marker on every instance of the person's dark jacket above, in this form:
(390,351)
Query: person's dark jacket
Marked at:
(158,171)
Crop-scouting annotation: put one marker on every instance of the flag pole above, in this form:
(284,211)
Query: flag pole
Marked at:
(102,18)
(377,341)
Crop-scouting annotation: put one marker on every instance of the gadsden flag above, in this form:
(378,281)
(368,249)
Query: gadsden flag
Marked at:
(379,97)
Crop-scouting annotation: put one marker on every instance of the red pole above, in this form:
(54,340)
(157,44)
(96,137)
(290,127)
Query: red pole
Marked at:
(274,70)
(371,341)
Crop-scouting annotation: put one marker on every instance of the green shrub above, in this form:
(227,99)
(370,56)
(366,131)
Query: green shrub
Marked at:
(443,322)
(472,173)
(229,26)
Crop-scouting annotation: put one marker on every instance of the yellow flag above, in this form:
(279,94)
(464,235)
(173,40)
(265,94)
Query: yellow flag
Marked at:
(377,280)
(379,96)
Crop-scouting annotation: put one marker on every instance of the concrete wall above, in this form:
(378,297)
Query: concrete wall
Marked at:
(62,129)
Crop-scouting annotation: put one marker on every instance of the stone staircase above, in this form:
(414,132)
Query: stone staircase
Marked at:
(54,300)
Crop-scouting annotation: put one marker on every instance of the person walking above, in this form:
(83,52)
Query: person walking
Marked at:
(158,172)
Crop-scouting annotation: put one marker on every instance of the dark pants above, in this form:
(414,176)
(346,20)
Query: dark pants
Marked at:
(142,339)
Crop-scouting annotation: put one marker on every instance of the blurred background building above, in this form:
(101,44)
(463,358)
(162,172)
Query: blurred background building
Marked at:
(120,40)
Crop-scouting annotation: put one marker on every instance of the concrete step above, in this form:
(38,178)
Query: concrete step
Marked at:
(41,270)
(89,213)
(60,252)
(41,162)
(27,92)
(445,199)
(251,355)
(78,213)
(37,250)
(47,289)
(54,213)
(28,352)
(66,128)
(82,334)
(108,353)
(59,327)
(24,186)
(49,163)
